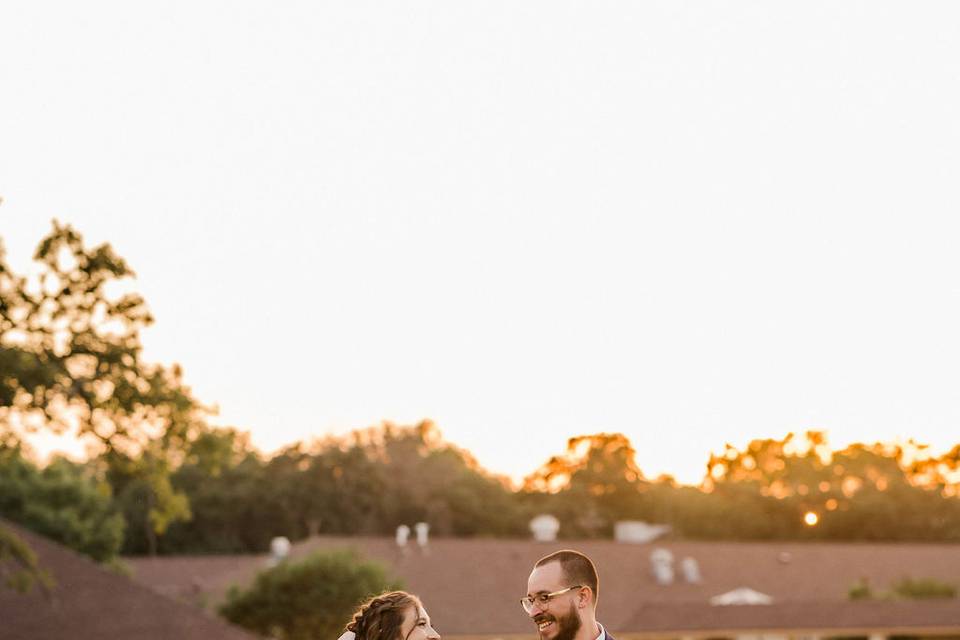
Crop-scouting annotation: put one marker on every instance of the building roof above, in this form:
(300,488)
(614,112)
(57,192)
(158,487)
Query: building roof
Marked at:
(800,618)
(88,602)
(473,586)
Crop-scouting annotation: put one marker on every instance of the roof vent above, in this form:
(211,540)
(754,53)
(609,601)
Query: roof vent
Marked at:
(279,550)
(638,532)
(661,562)
(691,570)
(544,528)
(741,596)
(423,530)
(403,534)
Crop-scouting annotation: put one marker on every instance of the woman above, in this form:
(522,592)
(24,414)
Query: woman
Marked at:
(396,615)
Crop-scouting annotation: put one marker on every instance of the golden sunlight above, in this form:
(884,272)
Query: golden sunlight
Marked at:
(811,519)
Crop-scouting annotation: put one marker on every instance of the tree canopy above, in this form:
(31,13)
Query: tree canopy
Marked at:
(310,598)
(71,357)
(162,480)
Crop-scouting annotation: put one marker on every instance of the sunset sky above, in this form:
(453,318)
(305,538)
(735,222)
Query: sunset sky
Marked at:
(693,223)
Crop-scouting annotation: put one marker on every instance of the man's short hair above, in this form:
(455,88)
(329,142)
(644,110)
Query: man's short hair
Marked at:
(576,567)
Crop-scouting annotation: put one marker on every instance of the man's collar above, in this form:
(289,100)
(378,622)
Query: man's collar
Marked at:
(602,632)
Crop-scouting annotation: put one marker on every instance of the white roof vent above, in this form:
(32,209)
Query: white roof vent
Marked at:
(279,550)
(403,534)
(661,562)
(743,595)
(691,570)
(544,528)
(423,530)
(638,532)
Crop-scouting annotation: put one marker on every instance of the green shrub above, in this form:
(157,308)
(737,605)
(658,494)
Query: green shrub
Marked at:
(312,598)
(905,588)
(860,590)
(18,565)
(63,502)
(922,588)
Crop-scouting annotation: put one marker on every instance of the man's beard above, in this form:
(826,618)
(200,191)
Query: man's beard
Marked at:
(567,625)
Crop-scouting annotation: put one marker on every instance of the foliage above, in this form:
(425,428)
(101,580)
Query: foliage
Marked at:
(426,479)
(860,590)
(923,588)
(236,506)
(367,482)
(145,495)
(18,565)
(905,588)
(62,501)
(862,492)
(70,351)
(312,598)
(370,481)
(592,485)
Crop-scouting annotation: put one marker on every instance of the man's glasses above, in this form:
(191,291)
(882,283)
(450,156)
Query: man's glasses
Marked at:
(542,600)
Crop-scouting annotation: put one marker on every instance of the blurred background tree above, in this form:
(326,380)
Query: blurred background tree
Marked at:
(592,485)
(311,598)
(70,352)
(18,564)
(163,480)
(63,501)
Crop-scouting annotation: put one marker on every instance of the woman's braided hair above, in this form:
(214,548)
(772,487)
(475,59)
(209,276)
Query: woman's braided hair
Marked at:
(381,617)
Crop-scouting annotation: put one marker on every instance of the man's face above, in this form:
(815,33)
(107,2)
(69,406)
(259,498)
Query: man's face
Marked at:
(560,618)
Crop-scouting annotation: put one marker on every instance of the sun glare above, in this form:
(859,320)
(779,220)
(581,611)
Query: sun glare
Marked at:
(811,519)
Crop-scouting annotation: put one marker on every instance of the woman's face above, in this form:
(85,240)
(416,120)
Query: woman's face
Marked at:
(416,625)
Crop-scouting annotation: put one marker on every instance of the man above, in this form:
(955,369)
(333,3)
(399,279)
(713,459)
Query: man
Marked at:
(562,597)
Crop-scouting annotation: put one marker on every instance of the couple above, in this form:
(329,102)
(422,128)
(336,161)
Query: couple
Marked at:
(561,600)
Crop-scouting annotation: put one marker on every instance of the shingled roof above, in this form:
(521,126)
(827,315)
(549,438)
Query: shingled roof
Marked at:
(472,587)
(88,602)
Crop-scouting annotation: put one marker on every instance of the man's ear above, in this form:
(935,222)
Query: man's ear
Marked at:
(585,597)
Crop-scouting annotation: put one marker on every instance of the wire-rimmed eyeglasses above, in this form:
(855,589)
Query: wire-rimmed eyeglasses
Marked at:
(542,600)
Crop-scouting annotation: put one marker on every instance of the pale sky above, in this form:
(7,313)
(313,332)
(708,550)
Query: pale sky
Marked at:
(691,222)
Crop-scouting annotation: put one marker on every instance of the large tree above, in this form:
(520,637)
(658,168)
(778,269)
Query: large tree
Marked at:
(71,359)
(595,483)
(876,491)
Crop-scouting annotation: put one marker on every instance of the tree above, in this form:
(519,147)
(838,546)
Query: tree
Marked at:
(309,599)
(595,483)
(18,565)
(146,495)
(863,492)
(230,496)
(62,501)
(70,351)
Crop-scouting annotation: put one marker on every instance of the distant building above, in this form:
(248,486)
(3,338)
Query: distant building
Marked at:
(808,594)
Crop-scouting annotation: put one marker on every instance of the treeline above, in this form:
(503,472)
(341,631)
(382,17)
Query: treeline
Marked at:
(235,500)
(161,480)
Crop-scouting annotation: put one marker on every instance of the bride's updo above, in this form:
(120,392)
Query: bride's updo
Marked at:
(381,617)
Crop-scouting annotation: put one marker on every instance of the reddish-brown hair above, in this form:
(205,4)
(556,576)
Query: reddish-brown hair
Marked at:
(381,617)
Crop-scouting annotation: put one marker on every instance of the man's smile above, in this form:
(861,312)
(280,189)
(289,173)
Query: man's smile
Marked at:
(544,622)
